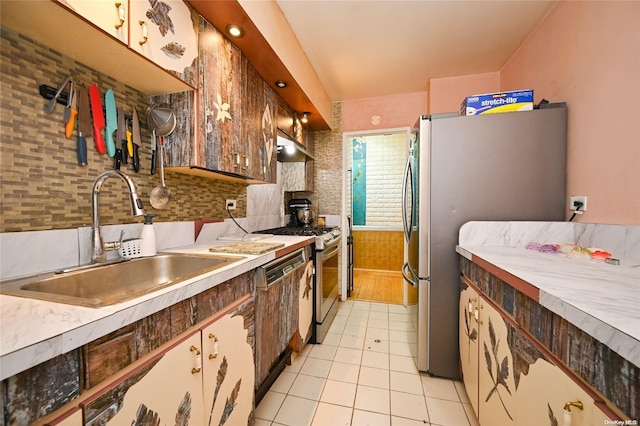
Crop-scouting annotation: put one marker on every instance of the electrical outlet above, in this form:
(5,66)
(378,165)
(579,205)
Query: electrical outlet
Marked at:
(230,204)
(578,199)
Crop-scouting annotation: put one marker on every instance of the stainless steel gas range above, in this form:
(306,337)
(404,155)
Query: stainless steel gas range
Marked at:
(326,253)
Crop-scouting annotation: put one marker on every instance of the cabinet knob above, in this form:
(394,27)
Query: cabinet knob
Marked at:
(214,353)
(145,32)
(198,366)
(120,8)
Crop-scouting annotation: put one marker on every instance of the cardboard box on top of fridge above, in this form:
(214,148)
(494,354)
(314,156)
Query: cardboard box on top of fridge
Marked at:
(494,103)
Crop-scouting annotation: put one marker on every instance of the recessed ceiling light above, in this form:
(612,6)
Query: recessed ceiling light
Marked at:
(234,30)
(281,84)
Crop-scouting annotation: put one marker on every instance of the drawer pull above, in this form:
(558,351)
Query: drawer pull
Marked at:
(145,32)
(470,308)
(120,22)
(577,404)
(215,346)
(476,314)
(198,366)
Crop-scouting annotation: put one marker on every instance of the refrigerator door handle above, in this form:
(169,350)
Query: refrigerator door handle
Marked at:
(408,277)
(407,175)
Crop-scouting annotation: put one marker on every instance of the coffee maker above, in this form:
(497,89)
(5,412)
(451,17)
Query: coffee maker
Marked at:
(301,213)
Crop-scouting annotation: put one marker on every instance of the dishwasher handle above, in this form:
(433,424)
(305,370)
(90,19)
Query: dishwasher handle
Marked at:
(278,269)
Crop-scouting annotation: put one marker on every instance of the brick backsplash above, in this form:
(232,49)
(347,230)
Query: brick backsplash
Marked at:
(41,184)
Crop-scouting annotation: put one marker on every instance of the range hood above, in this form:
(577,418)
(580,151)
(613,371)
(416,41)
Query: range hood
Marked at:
(290,150)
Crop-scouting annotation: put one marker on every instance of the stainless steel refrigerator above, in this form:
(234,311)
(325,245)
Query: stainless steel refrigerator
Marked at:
(509,166)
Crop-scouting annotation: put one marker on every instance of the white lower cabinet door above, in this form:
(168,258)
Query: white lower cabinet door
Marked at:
(170,393)
(543,395)
(229,372)
(305,310)
(497,389)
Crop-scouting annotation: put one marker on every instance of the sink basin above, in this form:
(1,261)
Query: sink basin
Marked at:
(117,282)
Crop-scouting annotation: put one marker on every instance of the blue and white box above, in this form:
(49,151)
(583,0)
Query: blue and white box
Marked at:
(494,103)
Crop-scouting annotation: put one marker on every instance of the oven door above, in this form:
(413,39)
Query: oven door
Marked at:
(326,280)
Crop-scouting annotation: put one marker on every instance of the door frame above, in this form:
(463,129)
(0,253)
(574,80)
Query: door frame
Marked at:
(346,180)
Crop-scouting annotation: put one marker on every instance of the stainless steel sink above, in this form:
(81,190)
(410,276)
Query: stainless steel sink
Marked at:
(115,283)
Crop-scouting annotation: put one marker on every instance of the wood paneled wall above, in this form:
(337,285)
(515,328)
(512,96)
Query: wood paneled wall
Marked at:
(382,250)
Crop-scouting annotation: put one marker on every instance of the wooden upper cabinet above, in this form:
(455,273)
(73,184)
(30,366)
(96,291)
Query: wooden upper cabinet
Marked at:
(234,128)
(219,96)
(111,16)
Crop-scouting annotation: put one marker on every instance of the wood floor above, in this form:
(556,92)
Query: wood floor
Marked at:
(379,286)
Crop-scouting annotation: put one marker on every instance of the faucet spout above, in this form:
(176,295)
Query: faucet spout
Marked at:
(98,254)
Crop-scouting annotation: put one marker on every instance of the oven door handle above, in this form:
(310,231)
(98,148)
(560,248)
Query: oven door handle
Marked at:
(325,254)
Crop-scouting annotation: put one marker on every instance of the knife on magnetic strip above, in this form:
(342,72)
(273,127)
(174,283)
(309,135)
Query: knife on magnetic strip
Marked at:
(112,122)
(120,153)
(84,124)
(98,117)
(137,140)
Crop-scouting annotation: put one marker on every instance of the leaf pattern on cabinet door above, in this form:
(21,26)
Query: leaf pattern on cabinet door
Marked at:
(184,411)
(145,417)
(230,403)
(173,50)
(223,109)
(502,368)
(159,15)
(222,373)
(267,133)
(553,421)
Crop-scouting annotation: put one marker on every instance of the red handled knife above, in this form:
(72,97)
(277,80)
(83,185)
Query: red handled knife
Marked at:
(98,118)
(84,124)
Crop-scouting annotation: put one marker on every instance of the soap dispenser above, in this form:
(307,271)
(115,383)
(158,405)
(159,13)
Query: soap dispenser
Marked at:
(148,236)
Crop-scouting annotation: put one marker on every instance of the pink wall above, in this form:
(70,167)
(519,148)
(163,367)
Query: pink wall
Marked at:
(394,111)
(588,54)
(584,53)
(446,94)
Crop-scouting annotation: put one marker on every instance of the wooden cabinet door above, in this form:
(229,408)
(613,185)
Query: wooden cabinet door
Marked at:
(165,32)
(219,102)
(111,16)
(166,389)
(469,342)
(496,390)
(228,372)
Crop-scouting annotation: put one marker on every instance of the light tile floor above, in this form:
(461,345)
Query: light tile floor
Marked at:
(363,374)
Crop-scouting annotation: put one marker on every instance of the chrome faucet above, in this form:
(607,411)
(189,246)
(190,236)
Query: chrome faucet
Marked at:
(99,249)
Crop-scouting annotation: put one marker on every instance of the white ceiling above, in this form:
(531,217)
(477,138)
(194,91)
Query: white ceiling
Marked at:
(364,48)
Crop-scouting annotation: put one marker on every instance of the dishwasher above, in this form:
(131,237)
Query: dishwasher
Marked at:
(276,310)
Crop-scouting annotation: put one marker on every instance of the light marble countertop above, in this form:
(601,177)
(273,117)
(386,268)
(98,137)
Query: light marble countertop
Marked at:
(600,299)
(34,331)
